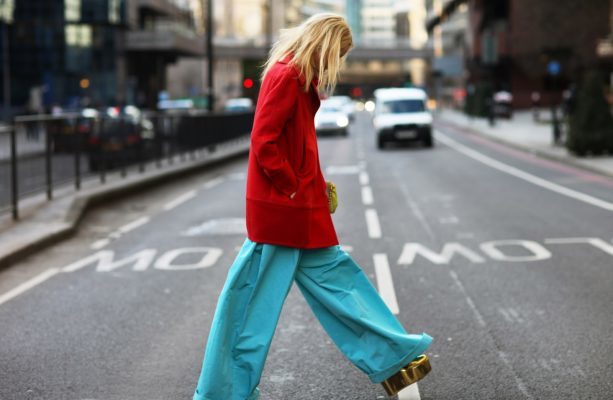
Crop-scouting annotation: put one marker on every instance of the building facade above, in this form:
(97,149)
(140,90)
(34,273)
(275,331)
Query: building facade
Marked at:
(515,43)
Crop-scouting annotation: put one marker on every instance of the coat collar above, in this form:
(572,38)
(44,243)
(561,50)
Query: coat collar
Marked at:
(301,79)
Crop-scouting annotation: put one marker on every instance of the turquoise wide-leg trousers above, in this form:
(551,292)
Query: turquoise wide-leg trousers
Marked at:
(341,297)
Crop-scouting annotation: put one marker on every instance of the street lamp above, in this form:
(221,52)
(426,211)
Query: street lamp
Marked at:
(209,53)
(6,13)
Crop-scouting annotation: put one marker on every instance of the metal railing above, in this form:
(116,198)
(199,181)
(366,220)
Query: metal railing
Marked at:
(41,153)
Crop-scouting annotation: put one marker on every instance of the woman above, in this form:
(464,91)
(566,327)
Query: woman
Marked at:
(291,237)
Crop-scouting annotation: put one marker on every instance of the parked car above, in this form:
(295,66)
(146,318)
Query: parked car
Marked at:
(331,118)
(346,104)
(120,138)
(401,115)
(69,129)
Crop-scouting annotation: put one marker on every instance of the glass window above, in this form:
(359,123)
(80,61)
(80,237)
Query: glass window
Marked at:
(72,10)
(78,35)
(114,11)
(402,106)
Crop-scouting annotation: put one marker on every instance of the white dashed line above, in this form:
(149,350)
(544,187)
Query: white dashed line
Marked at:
(372,223)
(98,244)
(385,284)
(363,178)
(482,158)
(367,198)
(180,200)
(212,183)
(342,169)
(134,224)
(27,285)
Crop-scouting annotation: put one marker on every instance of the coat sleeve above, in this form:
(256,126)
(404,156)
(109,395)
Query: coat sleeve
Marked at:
(275,107)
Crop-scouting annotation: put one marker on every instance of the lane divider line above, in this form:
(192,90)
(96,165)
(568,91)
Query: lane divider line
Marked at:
(134,224)
(372,223)
(363,178)
(180,200)
(213,182)
(27,285)
(98,244)
(367,198)
(385,284)
(508,169)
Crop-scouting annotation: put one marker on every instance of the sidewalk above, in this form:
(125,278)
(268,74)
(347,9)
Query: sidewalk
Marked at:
(523,133)
(44,223)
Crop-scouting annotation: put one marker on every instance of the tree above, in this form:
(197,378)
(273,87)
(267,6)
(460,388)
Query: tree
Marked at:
(591,124)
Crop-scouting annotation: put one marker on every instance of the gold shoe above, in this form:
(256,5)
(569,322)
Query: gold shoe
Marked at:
(408,375)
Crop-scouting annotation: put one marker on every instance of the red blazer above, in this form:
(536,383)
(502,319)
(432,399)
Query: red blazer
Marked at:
(283,158)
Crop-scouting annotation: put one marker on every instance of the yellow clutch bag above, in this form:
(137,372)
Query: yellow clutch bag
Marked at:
(332,197)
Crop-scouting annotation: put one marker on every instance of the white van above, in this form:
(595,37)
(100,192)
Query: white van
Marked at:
(401,115)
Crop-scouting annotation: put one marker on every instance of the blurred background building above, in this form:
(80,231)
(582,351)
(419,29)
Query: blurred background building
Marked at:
(518,46)
(82,53)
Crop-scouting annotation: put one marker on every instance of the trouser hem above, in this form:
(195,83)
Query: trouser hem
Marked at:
(424,343)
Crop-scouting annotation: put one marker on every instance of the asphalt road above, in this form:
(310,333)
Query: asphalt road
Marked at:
(504,258)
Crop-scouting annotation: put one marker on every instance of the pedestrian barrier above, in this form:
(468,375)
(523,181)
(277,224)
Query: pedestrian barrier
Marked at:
(40,153)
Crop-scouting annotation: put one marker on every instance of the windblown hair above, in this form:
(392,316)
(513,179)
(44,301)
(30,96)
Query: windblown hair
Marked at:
(323,36)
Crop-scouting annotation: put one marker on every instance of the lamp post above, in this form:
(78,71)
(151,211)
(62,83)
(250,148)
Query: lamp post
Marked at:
(6,73)
(209,53)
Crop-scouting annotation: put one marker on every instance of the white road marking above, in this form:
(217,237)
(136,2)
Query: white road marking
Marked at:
(134,224)
(482,158)
(342,169)
(27,285)
(411,250)
(363,178)
(367,198)
(213,182)
(180,200)
(237,176)
(98,244)
(411,392)
(372,223)
(596,242)
(385,284)
(218,226)
(538,252)
(470,302)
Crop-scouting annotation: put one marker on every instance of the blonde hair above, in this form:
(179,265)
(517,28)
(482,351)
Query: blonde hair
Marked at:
(321,36)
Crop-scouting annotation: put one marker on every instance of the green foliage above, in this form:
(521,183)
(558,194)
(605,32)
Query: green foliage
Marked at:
(591,125)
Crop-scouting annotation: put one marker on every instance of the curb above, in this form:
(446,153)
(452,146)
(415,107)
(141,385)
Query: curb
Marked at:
(543,154)
(83,202)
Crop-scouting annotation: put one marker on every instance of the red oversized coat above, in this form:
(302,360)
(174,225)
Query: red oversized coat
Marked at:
(283,158)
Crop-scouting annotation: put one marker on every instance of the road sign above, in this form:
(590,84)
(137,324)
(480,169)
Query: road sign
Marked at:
(554,68)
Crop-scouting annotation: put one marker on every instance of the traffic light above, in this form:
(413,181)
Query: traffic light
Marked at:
(248,83)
